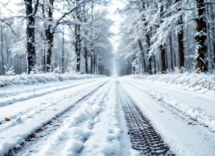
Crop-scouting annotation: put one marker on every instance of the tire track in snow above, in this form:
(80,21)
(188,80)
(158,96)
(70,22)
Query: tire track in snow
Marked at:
(15,116)
(196,114)
(143,136)
(77,129)
(22,90)
(47,130)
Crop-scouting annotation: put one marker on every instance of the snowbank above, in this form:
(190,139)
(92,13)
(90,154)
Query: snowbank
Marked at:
(25,79)
(190,80)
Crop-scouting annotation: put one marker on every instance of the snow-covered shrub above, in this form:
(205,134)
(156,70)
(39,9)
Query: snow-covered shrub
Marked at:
(37,69)
(10,71)
(58,70)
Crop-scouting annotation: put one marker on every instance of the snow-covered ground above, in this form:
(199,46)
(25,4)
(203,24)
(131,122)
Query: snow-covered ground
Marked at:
(197,104)
(185,119)
(188,81)
(33,79)
(36,110)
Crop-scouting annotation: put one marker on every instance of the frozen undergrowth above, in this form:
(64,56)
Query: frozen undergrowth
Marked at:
(31,79)
(190,80)
(195,113)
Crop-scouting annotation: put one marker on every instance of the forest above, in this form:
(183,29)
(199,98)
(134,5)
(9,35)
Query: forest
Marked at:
(39,36)
(167,36)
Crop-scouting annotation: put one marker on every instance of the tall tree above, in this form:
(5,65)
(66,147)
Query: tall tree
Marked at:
(162,48)
(143,56)
(2,45)
(78,39)
(180,38)
(30,20)
(201,37)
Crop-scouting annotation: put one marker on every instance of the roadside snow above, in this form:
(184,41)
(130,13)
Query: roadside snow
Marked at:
(194,82)
(33,79)
(195,113)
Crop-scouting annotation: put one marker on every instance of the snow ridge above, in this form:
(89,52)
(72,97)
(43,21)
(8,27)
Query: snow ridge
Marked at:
(105,138)
(69,141)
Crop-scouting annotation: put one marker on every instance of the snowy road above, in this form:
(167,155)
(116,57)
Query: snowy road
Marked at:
(106,116)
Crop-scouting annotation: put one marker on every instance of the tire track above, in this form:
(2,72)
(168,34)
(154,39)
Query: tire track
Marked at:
(47,130)
(178,113)
(22,97)
(16,116)
(143,136)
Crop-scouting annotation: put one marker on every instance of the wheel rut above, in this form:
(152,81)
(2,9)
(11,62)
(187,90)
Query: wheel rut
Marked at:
(143,136)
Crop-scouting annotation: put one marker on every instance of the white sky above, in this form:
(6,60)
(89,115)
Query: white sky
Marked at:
(115,28)
(117,20)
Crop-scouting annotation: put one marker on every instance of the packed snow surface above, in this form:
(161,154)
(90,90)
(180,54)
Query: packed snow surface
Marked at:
(38,110)
(184,118)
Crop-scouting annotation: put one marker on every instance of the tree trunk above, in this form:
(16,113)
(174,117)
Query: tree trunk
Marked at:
(162,49)
(163,63)
(148,56)
(44,60)
(49,37)
(144,62)
(91,64)
(44,51)
(155,70)
(171,56)
(31,57)
(79,50)
(63,64)
(86,66)
(8,51)
(78,40)
(167,63)
(180,49)
(94,63)
(86,55)
(56,59)
(77,47)
(201,37)
(180,42)
(2,55)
